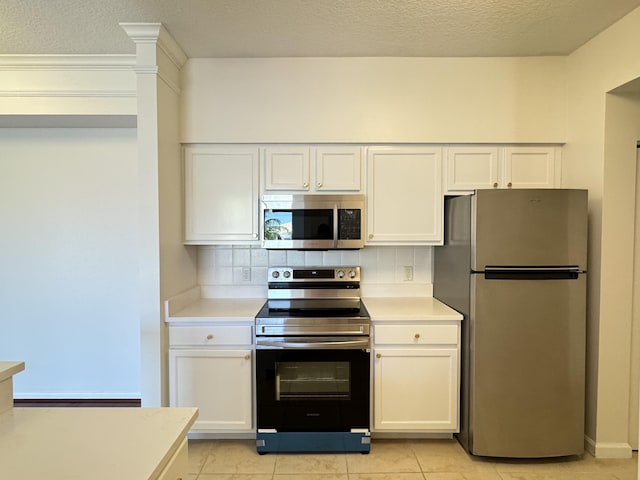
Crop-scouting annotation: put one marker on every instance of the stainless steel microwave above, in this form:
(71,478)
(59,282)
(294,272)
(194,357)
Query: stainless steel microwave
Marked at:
(312,222)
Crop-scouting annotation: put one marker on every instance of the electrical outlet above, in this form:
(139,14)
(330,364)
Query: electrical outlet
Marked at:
(408,274)
(246,274)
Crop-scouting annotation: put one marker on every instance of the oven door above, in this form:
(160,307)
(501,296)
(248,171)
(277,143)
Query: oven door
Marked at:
(312,390)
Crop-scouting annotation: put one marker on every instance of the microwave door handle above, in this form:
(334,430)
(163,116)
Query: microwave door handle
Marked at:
(261,219)
(335,225)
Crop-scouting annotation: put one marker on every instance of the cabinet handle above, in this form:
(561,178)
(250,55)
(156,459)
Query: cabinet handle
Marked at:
(378,355)
(371,235)
(305,184)
(495,184)
(416,336)
(247,356)
(210,337)
(319,184)
(509,185)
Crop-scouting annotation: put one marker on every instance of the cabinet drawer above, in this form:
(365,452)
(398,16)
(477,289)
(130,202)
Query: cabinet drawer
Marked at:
(210,335)
(416,334)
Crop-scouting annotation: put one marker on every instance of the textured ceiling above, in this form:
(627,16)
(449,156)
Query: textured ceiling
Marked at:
(315,28)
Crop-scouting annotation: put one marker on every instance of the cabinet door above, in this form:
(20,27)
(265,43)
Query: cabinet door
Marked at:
(221,194)
(218,382)
(178,466)
(416,389)
(287,168)
(471,167)
(530,167)
(338,168)
(404,196)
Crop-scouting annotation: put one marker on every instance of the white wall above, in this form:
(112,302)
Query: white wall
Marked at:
(600,129)
(622,131)
(68,257)
(374,100)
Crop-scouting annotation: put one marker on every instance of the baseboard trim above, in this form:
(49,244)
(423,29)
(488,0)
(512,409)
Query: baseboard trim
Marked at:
(77,402)
(607,449)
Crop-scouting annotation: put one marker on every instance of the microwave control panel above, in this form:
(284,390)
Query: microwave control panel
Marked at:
(349,222)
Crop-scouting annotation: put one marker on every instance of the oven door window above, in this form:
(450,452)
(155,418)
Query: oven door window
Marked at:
(312,380)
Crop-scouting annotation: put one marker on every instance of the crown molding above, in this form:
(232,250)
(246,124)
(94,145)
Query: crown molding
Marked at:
(68,93)
(68,121)
(67,62)
(156,33)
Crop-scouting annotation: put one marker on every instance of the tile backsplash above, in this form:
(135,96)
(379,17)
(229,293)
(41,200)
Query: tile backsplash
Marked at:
(227,266)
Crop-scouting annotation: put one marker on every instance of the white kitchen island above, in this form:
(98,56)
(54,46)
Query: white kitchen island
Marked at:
(94,443)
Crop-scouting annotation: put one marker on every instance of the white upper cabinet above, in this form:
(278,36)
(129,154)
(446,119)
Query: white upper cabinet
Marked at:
(338,168)
(468,168)
(305,169)
(531,167)
(221,194)
(404,196)
(286,167)
(471,167)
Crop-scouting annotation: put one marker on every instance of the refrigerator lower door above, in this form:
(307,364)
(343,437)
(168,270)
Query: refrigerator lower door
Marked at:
(527,367)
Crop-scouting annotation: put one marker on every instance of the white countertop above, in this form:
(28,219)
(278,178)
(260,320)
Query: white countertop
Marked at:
(409,309)
(219,309)
(9,369)
(90,443)
(245,309)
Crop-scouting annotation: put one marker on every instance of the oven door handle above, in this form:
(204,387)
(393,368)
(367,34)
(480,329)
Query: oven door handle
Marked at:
(348,344)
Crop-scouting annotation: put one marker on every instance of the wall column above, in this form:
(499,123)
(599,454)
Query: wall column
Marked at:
(158,63)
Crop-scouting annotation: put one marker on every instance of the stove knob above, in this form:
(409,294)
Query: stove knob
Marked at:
(275,274)
(352,274)
(340,274)
(287,274)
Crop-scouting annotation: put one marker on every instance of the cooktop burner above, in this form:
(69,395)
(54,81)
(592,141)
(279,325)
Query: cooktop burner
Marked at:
(360,312)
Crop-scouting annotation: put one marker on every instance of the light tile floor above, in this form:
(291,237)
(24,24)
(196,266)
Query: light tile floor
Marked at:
(391,460)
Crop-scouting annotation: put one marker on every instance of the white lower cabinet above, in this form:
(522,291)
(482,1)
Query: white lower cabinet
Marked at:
(215,377)
(416,378)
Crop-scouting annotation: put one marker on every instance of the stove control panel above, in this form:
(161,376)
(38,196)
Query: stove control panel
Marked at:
(311,274)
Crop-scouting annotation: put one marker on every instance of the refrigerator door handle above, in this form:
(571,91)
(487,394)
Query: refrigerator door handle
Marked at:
(570,272)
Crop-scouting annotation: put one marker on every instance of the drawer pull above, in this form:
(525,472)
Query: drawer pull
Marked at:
(378,355)
(247,356)
(416,336)
(210,336)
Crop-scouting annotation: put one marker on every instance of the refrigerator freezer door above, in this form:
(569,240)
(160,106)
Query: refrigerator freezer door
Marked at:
(529,227)
(527,367)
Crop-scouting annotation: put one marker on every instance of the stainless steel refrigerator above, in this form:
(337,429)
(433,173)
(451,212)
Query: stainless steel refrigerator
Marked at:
(514,264)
